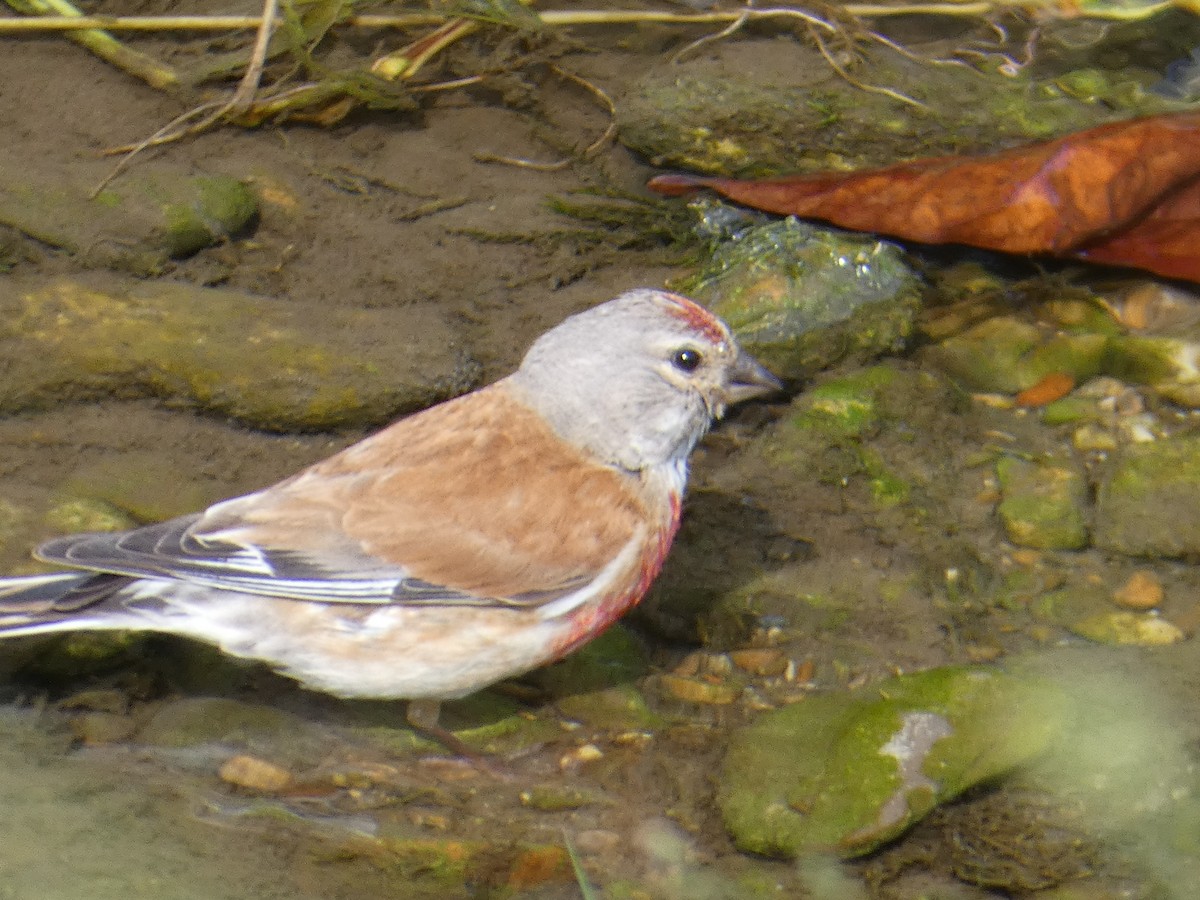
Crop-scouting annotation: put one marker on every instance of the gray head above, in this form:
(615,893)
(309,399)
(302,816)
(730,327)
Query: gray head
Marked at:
(639,379)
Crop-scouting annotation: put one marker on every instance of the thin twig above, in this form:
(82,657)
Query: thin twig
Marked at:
(240,101)
(725,32)
(169,132)
(606,101)
(452,84)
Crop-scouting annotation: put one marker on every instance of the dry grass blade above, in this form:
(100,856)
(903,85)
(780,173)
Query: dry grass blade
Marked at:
(237,104)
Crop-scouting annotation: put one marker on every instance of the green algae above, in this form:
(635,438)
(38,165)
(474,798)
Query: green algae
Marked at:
(846,407)
(710,118)
(1043,504)
(802,298)
(1148,501)
(846,411)
(1006,354)
(75,514)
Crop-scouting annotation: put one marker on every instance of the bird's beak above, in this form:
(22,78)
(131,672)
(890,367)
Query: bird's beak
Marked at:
(748,379)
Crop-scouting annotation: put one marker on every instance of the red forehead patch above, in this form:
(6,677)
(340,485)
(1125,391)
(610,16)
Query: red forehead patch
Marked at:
(697,317)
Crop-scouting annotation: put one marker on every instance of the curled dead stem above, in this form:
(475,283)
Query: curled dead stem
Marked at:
(592,148)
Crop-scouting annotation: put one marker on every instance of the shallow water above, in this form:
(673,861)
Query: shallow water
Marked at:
(105,826)
(384,211)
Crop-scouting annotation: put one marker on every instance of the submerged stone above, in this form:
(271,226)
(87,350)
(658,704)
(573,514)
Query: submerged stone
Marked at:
(1087,610)
(71,515)
(197,721)
(710,116)
(1004,354)
(1169,365)
(1148,503)
(845,407)
(1043,504)
(847,772)
(137,223)
(802,298)
(270,364)
(1128,628)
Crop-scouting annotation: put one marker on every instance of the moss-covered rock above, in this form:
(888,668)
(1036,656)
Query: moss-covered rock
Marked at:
(1087,610)
(1148,503)
(1043,504)
(847,772)
(1124,627)
(802,298)
(274,365)
(709,116)
(73,514)
(1168,364)
(137,223)
(845,407)
(1008,355)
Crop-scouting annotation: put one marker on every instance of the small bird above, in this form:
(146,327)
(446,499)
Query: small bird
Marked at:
(472,541)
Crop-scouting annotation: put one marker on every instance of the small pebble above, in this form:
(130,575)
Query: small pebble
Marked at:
(1026,557)
(693,690)
(765,661)
(718,664)
(802,673)
(1093,437)
(1128,628)
(690,664)
(254,774)
(573,759)
(984,653)
(1142,591)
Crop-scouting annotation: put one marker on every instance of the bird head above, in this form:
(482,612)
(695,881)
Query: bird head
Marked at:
(638,380)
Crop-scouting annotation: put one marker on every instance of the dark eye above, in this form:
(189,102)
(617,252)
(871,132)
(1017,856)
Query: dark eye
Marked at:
(686,360)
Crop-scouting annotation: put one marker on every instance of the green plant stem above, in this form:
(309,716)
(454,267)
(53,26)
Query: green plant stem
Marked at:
(140,65)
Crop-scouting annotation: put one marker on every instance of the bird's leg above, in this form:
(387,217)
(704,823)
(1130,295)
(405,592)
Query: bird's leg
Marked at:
(423,717)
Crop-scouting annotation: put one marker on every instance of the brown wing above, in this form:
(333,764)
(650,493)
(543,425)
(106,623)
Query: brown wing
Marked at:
(474,500)
(480,495)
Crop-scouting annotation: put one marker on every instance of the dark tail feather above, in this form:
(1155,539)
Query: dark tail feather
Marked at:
(51,602)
